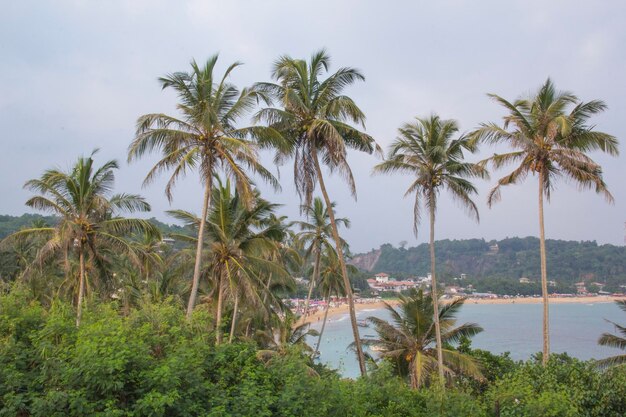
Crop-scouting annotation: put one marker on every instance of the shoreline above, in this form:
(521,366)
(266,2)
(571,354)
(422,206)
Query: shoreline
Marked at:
(318,316)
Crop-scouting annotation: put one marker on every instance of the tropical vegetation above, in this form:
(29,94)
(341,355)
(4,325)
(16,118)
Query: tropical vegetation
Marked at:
(315,121)
(315,234)
(551,138)
(89,226)
(107,315)
(408,342)
(155,362)
(426,151)
(615,341)
(206,138)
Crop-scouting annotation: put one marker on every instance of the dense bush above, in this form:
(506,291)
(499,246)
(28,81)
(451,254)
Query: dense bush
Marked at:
(153,363)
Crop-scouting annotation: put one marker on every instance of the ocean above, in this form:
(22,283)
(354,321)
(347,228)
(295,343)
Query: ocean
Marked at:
(514,328)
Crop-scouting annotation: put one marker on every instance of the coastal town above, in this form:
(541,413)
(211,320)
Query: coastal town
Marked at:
(384,288)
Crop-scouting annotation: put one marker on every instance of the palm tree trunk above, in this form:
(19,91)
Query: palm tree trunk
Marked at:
(342,263)
(66,264)
(81,286)
(248,328)
(319,339)
(198,263)
(218,314)
(314,279)
(544,276)
(434,293)
(413,375)
(267,288)
(233,323)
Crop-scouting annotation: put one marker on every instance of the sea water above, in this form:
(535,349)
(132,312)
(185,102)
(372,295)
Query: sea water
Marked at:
(515,328)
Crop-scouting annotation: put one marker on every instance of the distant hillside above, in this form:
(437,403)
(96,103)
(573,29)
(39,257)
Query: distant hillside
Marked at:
(513,258)
(10,224)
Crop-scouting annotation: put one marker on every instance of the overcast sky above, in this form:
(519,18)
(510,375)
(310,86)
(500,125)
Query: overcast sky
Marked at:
(75,75)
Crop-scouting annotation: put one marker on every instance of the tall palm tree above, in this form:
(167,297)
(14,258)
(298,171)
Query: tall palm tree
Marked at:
(314,117)
(331,283)
(89,222)
(550,137)
(611,340)
(315,235)
(427,151)
(204,137)
(239,239)
(408,340)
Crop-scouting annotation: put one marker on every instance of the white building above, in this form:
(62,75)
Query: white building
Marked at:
(381,277)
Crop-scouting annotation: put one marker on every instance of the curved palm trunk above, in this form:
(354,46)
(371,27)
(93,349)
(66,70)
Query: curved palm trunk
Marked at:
(248,328)
(66,264)
(344,271)
(218,314)
(435,295)
(198,263)
(233,324)
(81,286)
(267,287)
(316,272)
(413,372)
(319,339)
(544,277)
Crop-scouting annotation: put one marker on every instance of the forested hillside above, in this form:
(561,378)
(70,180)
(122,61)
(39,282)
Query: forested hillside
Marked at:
(512,258)
(10,224)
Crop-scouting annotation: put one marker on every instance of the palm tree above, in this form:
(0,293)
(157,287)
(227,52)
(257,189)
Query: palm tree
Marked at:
(315,120)
(331,283)
(408,341)
(88,224)
(239,239)
(611,340)
(315,236)
(204,138)
(16,263)
(425,149)
(549,141)
(287,334)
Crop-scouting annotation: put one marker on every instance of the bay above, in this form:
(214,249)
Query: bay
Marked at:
(514,328)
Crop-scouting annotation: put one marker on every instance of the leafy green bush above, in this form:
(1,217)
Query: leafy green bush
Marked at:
(155,363)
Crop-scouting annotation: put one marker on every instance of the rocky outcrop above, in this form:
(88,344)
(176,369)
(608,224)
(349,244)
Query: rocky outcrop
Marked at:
(366,261)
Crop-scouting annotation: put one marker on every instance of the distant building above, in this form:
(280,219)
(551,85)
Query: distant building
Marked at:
(493,249)
(381,277)
(301,280)
(463,276)
(552,283)
(525,280)
(581,288)
(484,295)
(453,289)
(381,282)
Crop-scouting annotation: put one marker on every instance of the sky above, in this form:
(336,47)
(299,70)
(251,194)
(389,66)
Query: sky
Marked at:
(75,75)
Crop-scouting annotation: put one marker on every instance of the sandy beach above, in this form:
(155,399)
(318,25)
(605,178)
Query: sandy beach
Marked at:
(343,309)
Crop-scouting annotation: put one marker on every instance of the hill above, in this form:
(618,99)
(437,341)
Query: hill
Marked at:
(507,259)
(10,224)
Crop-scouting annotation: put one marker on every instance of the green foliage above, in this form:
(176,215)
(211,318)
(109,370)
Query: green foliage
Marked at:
(155,363)
(492,367)
(10,224)
(407,339)
(565,387)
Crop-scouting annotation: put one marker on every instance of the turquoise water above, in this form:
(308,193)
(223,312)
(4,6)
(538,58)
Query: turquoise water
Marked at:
(516,328)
